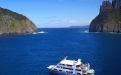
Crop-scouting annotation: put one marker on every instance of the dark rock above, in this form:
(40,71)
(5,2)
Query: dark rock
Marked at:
(116,4)
(109,18)
(105,6)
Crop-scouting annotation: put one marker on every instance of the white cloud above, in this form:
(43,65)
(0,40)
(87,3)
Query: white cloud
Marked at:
(64,23)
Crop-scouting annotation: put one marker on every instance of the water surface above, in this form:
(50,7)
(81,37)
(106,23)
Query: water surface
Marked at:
(30,54)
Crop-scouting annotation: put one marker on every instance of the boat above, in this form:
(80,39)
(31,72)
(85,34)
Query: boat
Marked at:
(71,67)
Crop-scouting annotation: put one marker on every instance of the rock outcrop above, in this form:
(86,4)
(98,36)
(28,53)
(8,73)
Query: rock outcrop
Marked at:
(105,6)
(116,4)
(109,18)
(14,23)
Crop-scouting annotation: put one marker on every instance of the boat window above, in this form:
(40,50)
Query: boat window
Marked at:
(78,73)
(67,68)
(78,65)
(58,67)
(70,72)
(69,65)
(78,70)
(61,64)
(60,70)
(55,69)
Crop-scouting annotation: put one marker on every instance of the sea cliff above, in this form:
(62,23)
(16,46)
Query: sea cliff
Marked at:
(109,18)
(15,23)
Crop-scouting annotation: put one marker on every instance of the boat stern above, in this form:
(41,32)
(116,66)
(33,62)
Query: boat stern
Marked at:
(91,72)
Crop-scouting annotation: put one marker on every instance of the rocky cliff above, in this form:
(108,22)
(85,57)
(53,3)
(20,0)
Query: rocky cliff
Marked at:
(109,18)
(14,23)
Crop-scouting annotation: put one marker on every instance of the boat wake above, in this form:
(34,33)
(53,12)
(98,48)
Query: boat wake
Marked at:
(35,33)
(42,32)
(86,31)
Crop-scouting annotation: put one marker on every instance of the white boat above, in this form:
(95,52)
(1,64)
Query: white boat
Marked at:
(71,67)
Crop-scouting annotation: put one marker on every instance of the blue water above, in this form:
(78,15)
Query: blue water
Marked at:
(30,54)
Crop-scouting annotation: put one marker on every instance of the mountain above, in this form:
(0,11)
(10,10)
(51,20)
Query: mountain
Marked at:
(85,26)
(14,23)
(109,18)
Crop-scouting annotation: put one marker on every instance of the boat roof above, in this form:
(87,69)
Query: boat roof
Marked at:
(70,62)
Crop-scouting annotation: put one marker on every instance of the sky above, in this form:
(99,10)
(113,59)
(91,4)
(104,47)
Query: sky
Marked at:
(55,13)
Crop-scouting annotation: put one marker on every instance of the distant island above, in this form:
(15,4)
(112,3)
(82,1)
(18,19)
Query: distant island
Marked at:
(14,23)
(85,26)
(109,18)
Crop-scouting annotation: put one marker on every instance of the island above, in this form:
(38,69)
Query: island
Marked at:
(109,18)
(15,23)
(84,26)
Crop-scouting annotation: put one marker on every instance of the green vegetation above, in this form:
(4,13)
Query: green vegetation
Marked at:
(13,14)
(21,25)
(12,22)
(12,26)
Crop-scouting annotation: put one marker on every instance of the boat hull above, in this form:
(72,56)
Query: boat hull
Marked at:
(53,72)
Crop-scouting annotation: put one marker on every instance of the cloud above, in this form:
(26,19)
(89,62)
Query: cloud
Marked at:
(65,23)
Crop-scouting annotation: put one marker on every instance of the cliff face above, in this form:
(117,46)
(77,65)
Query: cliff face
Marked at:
(116,4)
(109,18)
(14,23)
(105,6)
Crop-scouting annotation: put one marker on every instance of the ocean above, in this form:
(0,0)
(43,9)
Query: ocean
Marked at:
(31,54)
